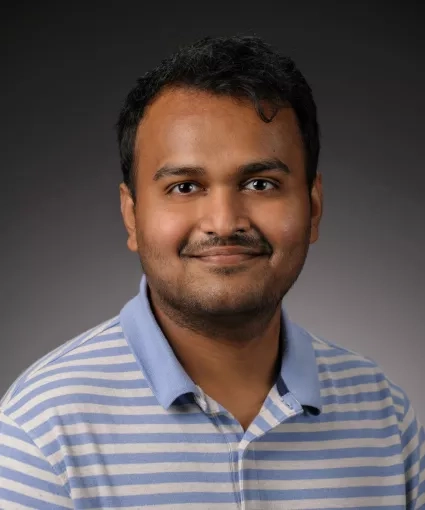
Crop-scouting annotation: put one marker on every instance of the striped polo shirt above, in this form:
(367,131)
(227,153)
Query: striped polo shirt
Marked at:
(111,420)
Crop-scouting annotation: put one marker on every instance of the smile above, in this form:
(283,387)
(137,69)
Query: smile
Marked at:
(228,259)
(228,255)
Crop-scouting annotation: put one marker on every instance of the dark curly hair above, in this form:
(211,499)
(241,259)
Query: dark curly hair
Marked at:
(238,66)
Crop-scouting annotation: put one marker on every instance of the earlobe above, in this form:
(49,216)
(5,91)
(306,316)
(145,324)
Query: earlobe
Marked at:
(128,216)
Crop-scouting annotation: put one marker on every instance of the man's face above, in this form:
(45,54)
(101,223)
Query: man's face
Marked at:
(223,220)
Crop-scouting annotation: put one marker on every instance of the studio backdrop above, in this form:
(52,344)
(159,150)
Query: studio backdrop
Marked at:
(66,69)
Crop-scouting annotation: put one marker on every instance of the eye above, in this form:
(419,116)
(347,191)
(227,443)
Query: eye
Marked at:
(184,188)
(260,185)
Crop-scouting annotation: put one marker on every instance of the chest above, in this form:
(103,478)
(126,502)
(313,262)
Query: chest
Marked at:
(292,467)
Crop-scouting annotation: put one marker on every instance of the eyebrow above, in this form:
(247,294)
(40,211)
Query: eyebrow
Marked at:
(245,170)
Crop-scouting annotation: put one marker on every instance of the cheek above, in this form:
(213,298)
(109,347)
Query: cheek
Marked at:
(289,236)
(162,230)
(287,229)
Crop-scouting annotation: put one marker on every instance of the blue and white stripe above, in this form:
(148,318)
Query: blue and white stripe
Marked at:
(111,420)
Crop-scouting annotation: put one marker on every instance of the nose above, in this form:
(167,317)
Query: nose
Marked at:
(223,213)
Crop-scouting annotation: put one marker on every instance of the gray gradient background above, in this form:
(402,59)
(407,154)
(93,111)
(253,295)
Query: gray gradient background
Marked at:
(65,72)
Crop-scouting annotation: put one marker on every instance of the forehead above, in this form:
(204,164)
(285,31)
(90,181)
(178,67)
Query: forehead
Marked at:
(185,124)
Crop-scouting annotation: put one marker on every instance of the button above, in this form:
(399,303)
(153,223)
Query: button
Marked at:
(201,401)
(291,402)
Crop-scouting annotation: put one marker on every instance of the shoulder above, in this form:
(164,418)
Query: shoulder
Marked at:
(346,373)
(65,366)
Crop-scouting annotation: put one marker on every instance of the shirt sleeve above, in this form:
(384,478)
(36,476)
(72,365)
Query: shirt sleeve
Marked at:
(413,444)
(27,479)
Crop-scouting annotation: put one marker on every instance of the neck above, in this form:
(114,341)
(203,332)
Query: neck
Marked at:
(240,363)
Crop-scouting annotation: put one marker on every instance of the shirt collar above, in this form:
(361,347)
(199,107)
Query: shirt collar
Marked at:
(169,381)
(299,370)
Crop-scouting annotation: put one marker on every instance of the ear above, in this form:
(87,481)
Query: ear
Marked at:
(316,207)
(128,216)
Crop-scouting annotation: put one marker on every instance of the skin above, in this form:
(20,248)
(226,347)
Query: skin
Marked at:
(221,313)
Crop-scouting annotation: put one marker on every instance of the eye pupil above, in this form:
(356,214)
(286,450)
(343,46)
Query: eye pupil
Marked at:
(259,184)
(185,187)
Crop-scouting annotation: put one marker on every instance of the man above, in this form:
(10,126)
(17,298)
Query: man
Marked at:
(202,393)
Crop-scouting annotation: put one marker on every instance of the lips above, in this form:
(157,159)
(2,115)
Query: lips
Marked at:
(227,255)
(227,251)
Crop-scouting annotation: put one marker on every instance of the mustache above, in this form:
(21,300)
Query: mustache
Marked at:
(256,243)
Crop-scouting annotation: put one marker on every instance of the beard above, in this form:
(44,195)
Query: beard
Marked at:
(226,302)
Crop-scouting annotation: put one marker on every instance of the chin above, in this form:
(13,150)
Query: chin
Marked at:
(226,299)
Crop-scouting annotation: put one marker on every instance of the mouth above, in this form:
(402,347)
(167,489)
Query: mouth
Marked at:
(228,255)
